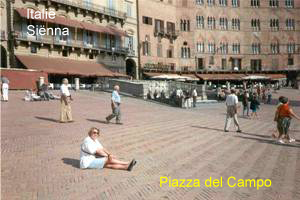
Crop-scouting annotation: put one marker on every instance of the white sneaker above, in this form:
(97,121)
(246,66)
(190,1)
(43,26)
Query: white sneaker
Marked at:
(281,141)
(292,140)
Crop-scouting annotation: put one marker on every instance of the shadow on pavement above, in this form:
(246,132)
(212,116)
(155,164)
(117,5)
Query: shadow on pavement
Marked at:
(203,127)
(268,141)
(96,120)
(47,119)
(73,162)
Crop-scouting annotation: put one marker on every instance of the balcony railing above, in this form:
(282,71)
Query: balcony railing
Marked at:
(92,7)
(71,43)
(164,32)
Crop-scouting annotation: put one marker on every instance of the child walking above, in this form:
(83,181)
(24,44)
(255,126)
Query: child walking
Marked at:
(254,106)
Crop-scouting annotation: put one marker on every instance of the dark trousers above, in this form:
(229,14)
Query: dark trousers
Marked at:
(116,112)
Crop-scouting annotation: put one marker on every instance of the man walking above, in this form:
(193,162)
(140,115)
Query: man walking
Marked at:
(194,94)
(65,101)
(232,105)
(115,106)
(5,87)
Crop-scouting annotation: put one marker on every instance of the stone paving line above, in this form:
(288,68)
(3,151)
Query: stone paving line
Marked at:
(166,141)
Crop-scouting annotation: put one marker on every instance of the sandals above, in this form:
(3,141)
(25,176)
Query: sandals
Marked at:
(131,165)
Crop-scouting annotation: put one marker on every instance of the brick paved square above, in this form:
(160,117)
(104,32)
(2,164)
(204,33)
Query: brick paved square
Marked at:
(40,157)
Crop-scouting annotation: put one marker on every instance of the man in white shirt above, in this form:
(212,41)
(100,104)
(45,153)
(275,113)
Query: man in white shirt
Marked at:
(232,106)
(65,101)
(94,156)
(194,94)
(115,106)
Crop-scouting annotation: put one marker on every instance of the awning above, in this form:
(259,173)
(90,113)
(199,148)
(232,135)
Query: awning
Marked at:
(256,77)
(221,77)
(94,27)
(66,66)
(239,77)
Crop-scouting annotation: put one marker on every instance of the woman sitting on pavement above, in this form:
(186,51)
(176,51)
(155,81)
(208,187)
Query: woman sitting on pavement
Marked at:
(94,156)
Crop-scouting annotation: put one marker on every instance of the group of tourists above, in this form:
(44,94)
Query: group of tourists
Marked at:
(92,154)
(283,114)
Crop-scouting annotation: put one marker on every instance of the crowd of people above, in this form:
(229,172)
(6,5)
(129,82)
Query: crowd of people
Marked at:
(178,97)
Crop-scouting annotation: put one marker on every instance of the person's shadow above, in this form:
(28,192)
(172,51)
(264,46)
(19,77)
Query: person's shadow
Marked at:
(47,119)
(98,121)
(73,162)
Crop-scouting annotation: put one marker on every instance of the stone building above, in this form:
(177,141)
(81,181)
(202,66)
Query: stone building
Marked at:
(220,35)
(3,35)
(101,39)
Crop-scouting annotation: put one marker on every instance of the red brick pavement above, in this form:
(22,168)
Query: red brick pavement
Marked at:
(40,156)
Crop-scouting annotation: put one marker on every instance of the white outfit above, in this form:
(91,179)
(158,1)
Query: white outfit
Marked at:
(64,90)
(5,88)
(87,152)
(194,94)
(232,100)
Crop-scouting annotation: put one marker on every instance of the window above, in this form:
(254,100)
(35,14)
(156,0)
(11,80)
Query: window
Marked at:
(290,61)
(223,2)
(275,48)
(159,50)
(255,24)
(200,47)
(185,52)
(170,27)
(91,56)
(200,21)
(211,22)
(211,2)
(159,25)
(235,24)
(256,48)
(224,23)
(129,12)
(289,3)
(274,3)
(255,65)
(87,3)
(255,3)
(170,52)
(290,24)
(223,48)
(184,25)
(291,47)
(211,47)
(199,2)
(236,48)
(147,20)
(274,24)
(224,63)
(146,48)
(235,3)
(33,49)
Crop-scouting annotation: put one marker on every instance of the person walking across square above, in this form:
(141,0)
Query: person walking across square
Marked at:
(5,87)
(115,106)
(65,102)
(232,105)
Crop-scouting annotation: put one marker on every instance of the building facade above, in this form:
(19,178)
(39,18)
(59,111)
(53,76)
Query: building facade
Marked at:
(221,35)
(103,32)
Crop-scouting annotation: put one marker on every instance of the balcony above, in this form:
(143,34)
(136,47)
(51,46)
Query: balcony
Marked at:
(49,40)
(93,8)
(167,33)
